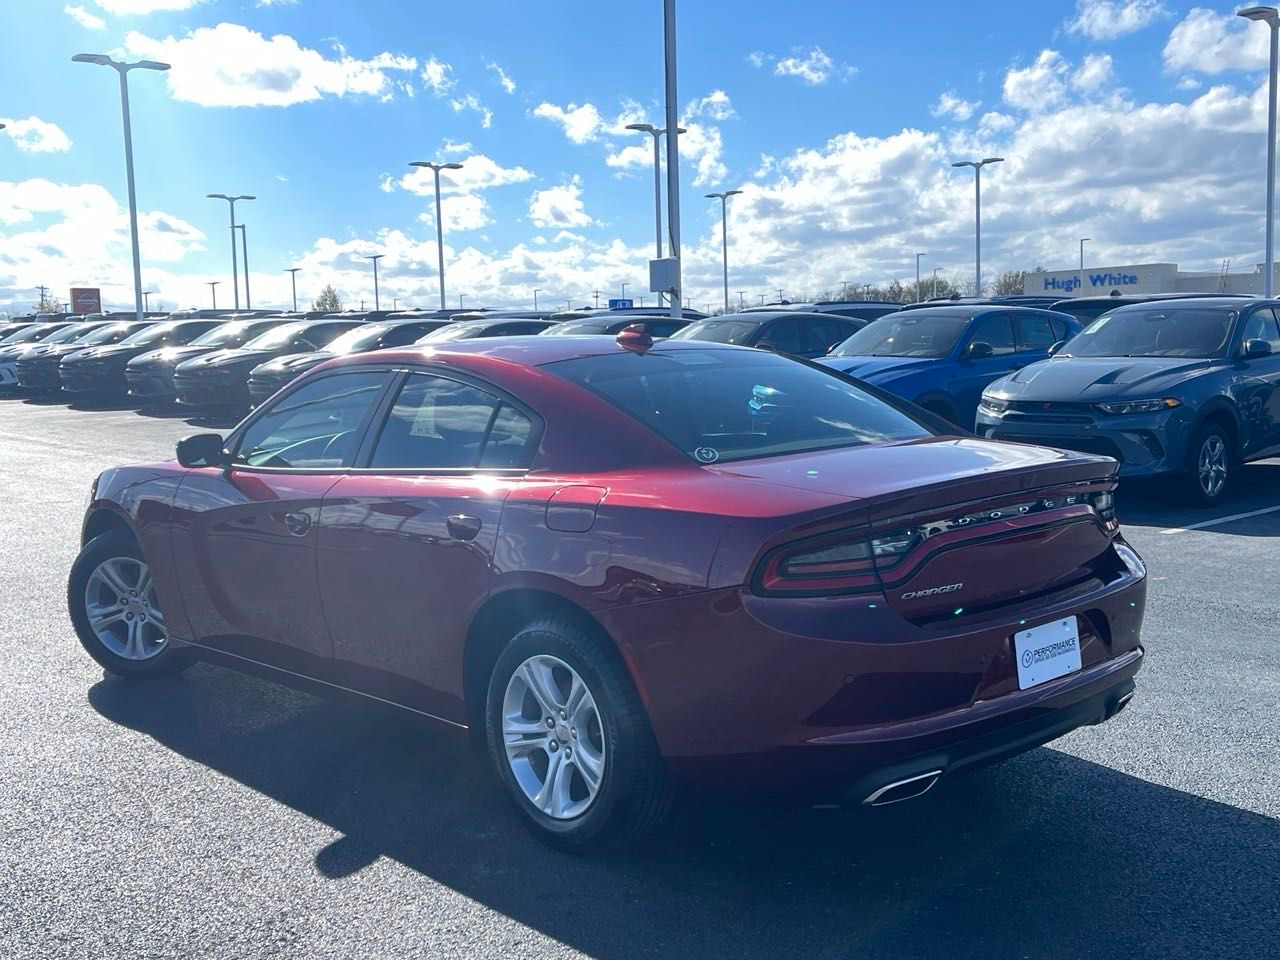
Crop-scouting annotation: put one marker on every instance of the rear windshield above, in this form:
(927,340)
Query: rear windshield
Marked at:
(276,337)
(723,405)
(152,334)
(1153,331)
(363,337)
(719,331)
(569,328)
(449,331)
(107,333)
(914,334)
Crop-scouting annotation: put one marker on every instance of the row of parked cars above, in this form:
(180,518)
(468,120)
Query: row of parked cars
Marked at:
(1185,385)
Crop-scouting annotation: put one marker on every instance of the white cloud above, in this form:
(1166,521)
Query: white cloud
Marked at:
(1189,83)
(758,58)
(1209,42)
(34,135)
(813,68)
(952,105)
(559,206)
(1094,74)
(472,102)
(504,78)
(994,122)
(715,105)
(451,147)
(232,66)
(438,76)
(580,123)
(462,205)
(277,3)
(1040,86)
(634,155)
(1108,19)
(90,21)
(139,7)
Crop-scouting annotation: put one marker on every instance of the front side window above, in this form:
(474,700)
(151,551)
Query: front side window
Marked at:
(997,331)
(1261,325)
(1153,331)
(438,423)
(916,333)
(725,405)
(314,426)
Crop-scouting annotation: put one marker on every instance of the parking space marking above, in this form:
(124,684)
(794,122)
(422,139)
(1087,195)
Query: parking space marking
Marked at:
(1213,523)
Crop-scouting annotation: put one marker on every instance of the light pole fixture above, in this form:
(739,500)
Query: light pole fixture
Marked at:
(244,249)
(1271,17)
(977,214)
(741,304)
(919,292)
(1083,241)
(435,168)
(724,236)
(375,257)
(657,184)
(934,292)
(122,68)
(293,280)
(146,300)
(671,112)
(535,299)
(624,289)
(231,202)
(213,289)
(460,296)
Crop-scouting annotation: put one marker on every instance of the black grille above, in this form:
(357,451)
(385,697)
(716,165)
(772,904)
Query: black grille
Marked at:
(1099,445)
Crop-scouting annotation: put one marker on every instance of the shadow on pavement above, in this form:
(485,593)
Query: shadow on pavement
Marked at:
(1046,856)
(1161,503)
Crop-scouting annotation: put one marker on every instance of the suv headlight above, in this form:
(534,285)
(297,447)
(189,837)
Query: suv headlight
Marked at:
(993,404)
(1139,406)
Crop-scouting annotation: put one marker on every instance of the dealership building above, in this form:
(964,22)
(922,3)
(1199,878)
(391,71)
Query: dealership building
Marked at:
(1141,278)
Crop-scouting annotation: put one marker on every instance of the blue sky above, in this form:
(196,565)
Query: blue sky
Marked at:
(1138,123)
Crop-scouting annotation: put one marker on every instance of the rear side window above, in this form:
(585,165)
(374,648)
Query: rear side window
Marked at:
(825,334)
(1037,332)
(314,426)
(438,423)
(400,336)
(322,333)
(997,331)
(722,405)
(785,335)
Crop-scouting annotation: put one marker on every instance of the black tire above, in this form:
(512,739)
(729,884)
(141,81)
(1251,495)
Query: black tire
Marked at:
(1208,438)
(634,795)
(113,544)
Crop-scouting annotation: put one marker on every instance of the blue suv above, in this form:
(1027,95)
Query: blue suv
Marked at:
(942,358)
(1171,387)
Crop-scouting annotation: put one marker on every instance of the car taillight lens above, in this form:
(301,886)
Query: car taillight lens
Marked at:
(844,562)
(1104,505)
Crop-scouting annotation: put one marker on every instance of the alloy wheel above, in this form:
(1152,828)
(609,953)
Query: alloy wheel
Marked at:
(554,737)
(1212,469)
(120,604)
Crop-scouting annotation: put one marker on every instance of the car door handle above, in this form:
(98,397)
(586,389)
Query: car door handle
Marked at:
(297,523)
(463,527)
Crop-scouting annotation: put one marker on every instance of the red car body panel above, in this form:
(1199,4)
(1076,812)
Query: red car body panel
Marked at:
(380,593)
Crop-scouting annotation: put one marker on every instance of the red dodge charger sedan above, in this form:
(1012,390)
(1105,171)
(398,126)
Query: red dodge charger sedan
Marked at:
(626,565)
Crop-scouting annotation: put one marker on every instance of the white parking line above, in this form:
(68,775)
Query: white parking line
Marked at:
(1214,523)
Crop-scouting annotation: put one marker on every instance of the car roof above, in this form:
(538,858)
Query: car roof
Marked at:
(529,351)
(1222,302)
(1128,298)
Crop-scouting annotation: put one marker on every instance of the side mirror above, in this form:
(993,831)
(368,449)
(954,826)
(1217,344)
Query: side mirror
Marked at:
(202,450)
(979,349)
(1257,348)
(1054,348)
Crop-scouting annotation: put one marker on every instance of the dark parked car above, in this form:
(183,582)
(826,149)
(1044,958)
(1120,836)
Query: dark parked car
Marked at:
(806,335)
(266,378)
(1089,309)
(150,375)
(469,329)
(758,575)
(13,326)
(218,382)
(655,326)
(19,342)
(942,359)
(1170,387)
(860,309)
(37,366)
(99,371)
(584,312)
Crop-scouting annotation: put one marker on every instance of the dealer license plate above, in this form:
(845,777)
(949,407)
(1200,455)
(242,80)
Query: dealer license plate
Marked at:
(1047,652)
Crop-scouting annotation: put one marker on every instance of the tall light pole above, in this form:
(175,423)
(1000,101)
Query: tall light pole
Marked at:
(977,214)
(436,168)
(146,300)
(1271,17)
(724,236)
(741,304)
(535,300)
(624,289)
(1083,241)
(244,249)
(934,292)
(657,185)
(213,289)
(231,202)
(673,146)
(293,280)
(122,68)
(460,296)
(375,257)
(919,292)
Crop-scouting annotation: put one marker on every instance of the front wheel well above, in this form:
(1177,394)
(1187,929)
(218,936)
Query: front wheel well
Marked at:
(1222,417)
(104,521)
(495,624)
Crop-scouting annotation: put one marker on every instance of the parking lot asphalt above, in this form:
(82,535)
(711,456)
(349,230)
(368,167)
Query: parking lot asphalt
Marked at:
(217,815)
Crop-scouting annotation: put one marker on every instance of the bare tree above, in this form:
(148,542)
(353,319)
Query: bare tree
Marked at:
(1010,282)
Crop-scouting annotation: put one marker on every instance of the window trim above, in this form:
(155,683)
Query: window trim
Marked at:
(382,412)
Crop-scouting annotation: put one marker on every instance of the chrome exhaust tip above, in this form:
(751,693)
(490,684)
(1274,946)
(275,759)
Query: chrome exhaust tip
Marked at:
(907,789)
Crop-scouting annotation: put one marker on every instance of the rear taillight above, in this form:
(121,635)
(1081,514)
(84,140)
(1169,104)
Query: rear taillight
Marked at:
(1104,505)
(843,562)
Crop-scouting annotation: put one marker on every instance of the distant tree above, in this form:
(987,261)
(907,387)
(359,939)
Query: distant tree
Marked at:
(1011,281)
(895,292)
(328,301)
(48,305)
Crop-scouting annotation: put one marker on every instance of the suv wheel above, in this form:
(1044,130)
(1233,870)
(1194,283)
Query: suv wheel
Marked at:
(1209,464)
(571,741)
(113,607)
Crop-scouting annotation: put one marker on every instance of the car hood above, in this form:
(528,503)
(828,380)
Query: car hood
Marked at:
(110,351)
(170,356)
(292,363)
(52,352)
(1090,379)
(878,369)
(226,358)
